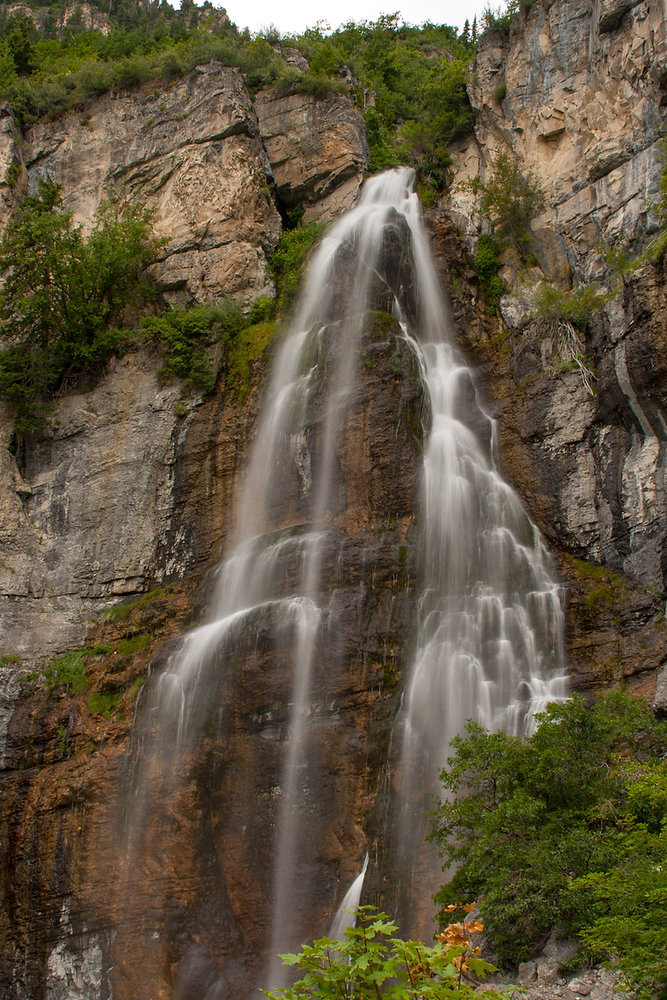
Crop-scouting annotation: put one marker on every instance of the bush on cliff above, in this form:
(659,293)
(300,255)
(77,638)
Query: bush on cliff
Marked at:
(569,828)
(510,199)
(63,295)
(410,85)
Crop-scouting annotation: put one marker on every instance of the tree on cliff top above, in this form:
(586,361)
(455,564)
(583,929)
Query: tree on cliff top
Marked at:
(62,295)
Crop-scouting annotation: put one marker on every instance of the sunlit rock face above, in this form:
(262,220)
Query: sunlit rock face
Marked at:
(189,151)
(317,149)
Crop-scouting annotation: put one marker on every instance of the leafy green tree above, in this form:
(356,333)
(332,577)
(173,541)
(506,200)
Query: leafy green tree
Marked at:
(372,963)
(20,45)
(487,263)
(628,904)
(528,820)
(63,294)
(510,199)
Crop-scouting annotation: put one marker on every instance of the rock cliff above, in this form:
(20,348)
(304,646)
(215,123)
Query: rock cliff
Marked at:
(576,96)
(98,510)
(110,518)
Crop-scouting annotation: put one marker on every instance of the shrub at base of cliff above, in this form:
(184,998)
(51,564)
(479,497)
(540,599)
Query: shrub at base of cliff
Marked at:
(546,832)
(63,295)
(370,962)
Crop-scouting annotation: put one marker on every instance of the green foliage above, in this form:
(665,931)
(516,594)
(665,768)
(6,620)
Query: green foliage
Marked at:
(497,20)
(604,588)
(9,660)
(288,259)
(629,903)
(371,963)
(133,644)
(135,688)
(67,671)
(410,84)
(501,20)
(188,339)
(575,306)
(43,75)
(487,264)
(244,351)
(532,818)
(122,612)
(510,199)
(62,295)
(103,703)
(396,73)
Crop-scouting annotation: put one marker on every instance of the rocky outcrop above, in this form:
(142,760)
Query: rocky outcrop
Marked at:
(317,149)
(195,154)
(191,152)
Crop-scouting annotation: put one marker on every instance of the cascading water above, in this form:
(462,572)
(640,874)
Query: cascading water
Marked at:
(489,634)
(489,641)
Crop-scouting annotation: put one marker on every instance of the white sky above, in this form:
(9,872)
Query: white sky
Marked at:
(291,16)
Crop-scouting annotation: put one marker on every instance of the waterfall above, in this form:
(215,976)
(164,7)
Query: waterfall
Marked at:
(489,621)
(489,637)
(346,914)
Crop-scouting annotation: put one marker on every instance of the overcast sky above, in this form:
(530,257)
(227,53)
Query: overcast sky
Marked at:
(296,15)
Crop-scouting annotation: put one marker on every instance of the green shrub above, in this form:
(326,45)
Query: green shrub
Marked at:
(249,346)
(62,295)
(104,703)
(188,339)
(371,962)
(575,306)
(134,644)
(68,671)
(510,199)
(531,822)
(287,260)
(487,265)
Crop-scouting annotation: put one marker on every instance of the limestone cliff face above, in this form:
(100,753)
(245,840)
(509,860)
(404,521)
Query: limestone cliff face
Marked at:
(205,159)
(576,93)
(317,151)
(191,152)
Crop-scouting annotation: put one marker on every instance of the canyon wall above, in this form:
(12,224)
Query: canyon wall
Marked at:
(125,500)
